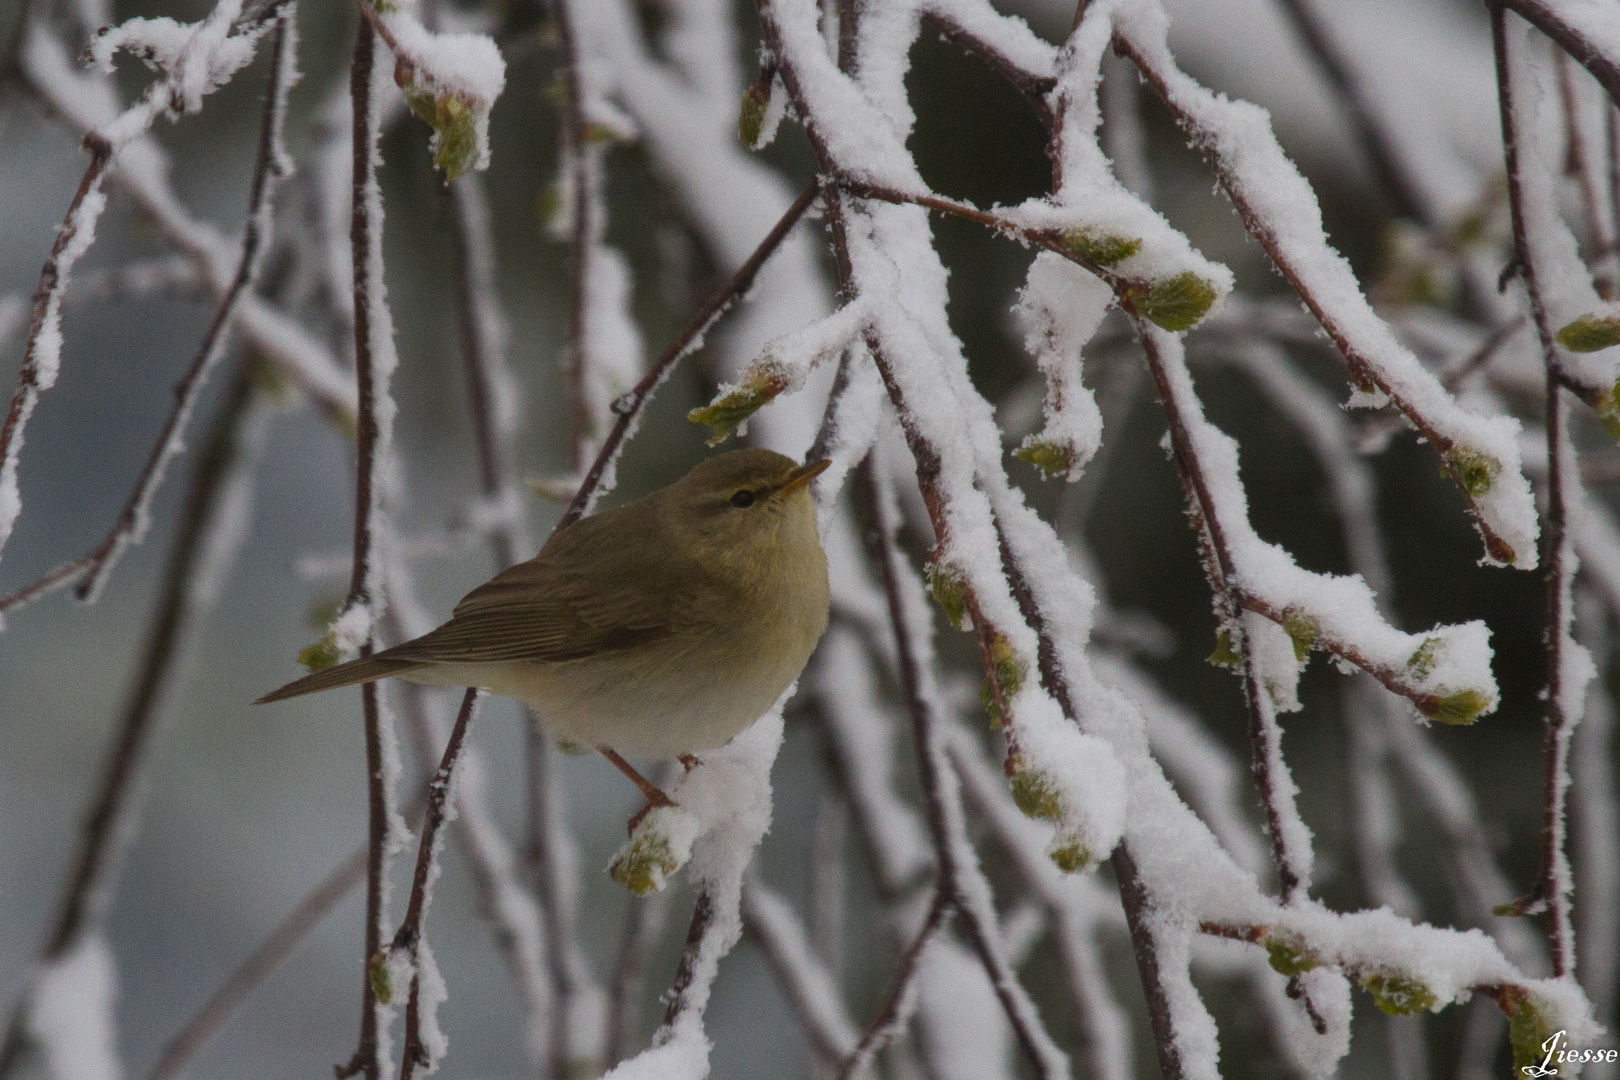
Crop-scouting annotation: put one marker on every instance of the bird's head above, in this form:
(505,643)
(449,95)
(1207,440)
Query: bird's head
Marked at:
(741,504)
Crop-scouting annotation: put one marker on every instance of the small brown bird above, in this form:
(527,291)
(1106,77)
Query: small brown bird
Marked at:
(658,629)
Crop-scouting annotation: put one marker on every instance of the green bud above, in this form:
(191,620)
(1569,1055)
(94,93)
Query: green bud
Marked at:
(1224,655)
(1092,245)
(1036,795)
(1590,332)
(1175,303)
(1071,858)
(382,983)
(548,205)
(594,132)
(1302,630)
(574,749)
(321,655)
(736,404)
(1421,662)
(1050,456)
(1460,708)
(751,119)
(1289,955)
(1397,993)
(454,124)
(1476,471)
(646,865)
(1608,410)
(950,592)
(1008,671)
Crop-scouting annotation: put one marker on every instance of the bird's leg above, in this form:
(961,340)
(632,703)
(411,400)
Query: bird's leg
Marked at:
(655,795)
(688,760)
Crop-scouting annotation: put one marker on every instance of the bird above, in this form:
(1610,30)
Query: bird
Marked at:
(658,629)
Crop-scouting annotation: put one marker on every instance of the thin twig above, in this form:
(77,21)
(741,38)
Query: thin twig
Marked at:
(1572,39)
(629,405)
(1557,558)
(408,938)
(364,236)
(960,883)
(879,1031)
(272,167)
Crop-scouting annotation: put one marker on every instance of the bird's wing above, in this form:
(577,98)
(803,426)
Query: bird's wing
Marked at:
(544,609)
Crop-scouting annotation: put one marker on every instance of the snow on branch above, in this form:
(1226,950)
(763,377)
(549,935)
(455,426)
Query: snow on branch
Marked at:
(1279,209)
(1445,672)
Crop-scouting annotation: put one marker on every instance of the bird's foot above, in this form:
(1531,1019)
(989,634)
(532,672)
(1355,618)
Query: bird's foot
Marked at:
(688,760)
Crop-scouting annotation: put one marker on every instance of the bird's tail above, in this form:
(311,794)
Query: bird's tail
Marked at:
(365,669)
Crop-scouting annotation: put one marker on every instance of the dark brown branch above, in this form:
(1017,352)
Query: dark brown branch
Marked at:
(33,380)
(1223,578)
(1362,369)
(90,887)
(271,167)
(1538,13)
(686,971)
(931,764)
(409,935)
(1556,543)
(367,1059)
(878,1031)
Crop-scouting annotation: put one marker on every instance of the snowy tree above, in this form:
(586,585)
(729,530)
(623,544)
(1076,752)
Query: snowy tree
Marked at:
(969,254)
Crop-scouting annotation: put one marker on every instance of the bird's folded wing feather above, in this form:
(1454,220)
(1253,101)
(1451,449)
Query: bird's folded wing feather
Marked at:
(543,610)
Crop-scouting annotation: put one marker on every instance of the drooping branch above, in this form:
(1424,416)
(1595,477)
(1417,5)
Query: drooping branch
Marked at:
(1566,677)
(407,951)
(374,364)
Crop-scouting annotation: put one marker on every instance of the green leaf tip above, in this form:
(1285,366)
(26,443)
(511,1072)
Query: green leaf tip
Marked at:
(320,655)
(751,118)
(1398,993)
(732,407)
(1091,244)
(1070,858)
(1529,1029)
(455,128)
(1289,955)
(1224,655)
(1008,671)
(949,589)
(1608,410)
(1421,662)
(1036,795)
(382,983)
(1052,457)
(1589,333)
(646,865)
(1460,708)
(1175,303)
(1475,470)
(1302,630)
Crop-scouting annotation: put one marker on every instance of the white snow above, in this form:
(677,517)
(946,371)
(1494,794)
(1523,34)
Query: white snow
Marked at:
(71,1013)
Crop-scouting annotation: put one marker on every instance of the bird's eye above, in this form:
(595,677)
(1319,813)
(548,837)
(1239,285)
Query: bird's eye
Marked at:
(743,499)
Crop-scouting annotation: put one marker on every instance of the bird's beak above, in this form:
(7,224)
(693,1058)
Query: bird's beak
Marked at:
(802,476)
